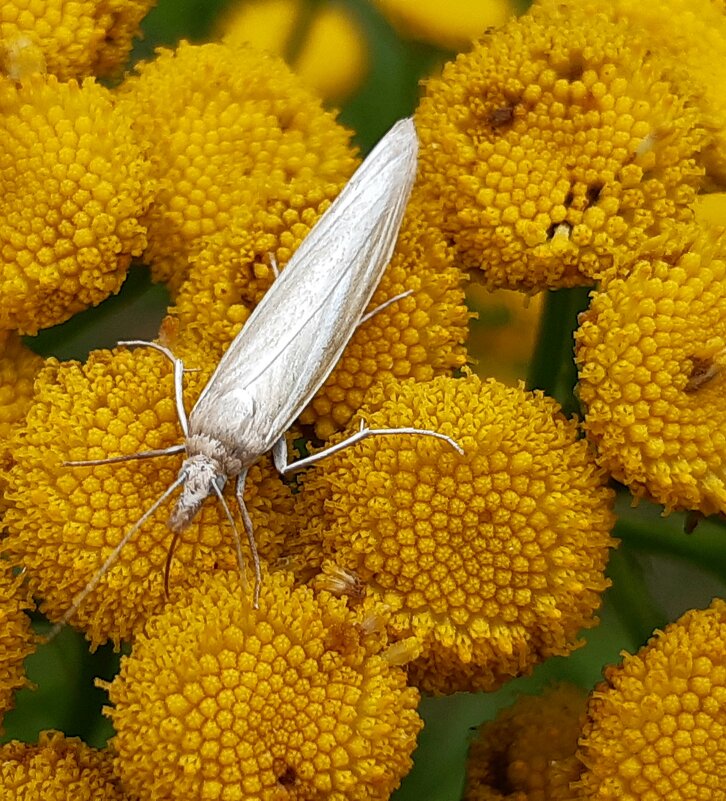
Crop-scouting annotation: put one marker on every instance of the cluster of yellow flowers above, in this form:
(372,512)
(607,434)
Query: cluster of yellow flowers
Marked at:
(559,150)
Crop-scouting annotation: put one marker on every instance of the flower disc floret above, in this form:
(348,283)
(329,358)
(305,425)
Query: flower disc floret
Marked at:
(73,185)
(58,768)
(651,352)
(64,521)
(16,636)
(227,127)
(655,726)
(555,149)
(290,700)
(494,560)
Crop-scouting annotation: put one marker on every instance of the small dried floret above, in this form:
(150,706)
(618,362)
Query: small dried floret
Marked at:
(325,47)
(58,768)
(227,127)
(555,148)
(655,726)
(73,185)
(290,700)
(64,521)
(493,559)
(651,352)
(16,636)
(77,38)
(528,752)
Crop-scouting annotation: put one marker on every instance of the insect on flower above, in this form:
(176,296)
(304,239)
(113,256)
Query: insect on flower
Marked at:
(286,350)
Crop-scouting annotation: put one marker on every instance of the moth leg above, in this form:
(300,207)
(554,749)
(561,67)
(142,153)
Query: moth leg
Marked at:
(386,303)
(273,264)
(239,492)
(279,454)
(363,433)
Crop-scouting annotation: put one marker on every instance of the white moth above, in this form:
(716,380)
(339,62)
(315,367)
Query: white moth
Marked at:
(287,348)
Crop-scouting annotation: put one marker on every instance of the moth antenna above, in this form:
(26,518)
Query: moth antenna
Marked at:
(110,559)
(169,557)
(170,451)
(386,303)
(249,530)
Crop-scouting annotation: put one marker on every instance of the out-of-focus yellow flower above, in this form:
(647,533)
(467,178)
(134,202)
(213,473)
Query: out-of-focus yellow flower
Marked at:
(655,726)
(452,24)
(504,332)
(76,38)
(651,352)
(58,768)
(494,560)
(528,752)
(419,336)
(323,43)
(555,149)
(73,185)
(710,209)
(63,521)
(16,636)
(227,127)
(692,33)
(291,700)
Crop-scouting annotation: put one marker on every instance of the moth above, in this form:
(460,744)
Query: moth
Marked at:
(286,349)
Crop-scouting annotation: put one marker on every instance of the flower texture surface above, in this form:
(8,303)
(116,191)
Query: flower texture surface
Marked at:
(555,149)
(288,701)
(651,352)
(16,636)
(227,127)
(655,726)
(73,185)
(494,560)
(64,521)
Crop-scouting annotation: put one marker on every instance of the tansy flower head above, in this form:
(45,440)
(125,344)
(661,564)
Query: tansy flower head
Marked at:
(528,752)
(64,521)
(494,560)
(16,636)
(58,768)
(651,352)
(331,57)
(418,336)
(73,184)
(655,726)
(555,148)
(226,127)
(76,38)
(291,700)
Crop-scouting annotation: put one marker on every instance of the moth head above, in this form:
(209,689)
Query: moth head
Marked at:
(200,474)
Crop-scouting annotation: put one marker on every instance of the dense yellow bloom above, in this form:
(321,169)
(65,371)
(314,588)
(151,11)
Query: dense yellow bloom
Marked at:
(494,560)
(452,24)
(76,38)
(651,352)
(58,768)
(326,48)
(16,636)
(227,127)
(692,33)
(528,752)
(18,368)
(64,520)
(73,184)
(555,149)
(418,336)
(655,728)
(710,209)
(291,700)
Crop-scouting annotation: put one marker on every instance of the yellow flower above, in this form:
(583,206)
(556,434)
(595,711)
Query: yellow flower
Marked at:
(58,768)
(555,149)
(64,521)
(226,127)
(528,752)
(655,725)
(494,560)
(291,700)
(651,352)
(16,636)
(326,48)
(76,38)
(710,209)
(452,25)
(73,184)
(692,34)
